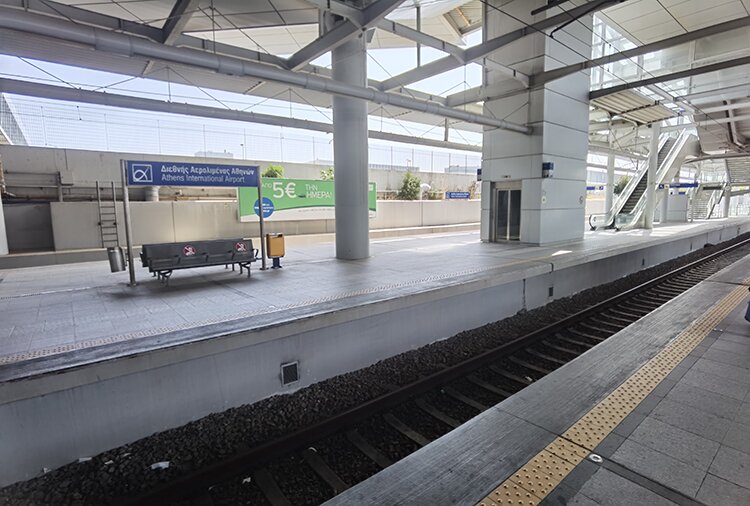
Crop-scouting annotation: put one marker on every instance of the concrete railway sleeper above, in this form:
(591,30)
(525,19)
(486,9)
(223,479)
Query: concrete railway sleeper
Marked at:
(313,464)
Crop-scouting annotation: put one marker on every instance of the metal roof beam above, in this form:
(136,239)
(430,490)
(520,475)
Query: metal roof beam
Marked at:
(342,9)
(30,89)
(736,137)
(727,107)
(486,48)
(108,43)
(738,91)
(220,48)
(421,38)
(469,96)
(178,19)
(481,94)
(174,25)
(86,17)
(551,75)
(670,77)
(131,28)
(341,32)
(333,38)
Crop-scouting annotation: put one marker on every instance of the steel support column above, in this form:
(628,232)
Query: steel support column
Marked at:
(350,162)
(609,188)
(3,233)
(727,200)
(653,162)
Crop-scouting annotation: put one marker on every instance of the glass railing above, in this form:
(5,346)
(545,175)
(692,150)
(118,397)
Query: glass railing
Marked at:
(615,217)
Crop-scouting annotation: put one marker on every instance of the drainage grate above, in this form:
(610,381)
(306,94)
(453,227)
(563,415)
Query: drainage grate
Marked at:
(289,373)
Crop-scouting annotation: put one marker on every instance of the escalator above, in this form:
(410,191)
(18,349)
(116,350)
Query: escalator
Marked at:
(629,205)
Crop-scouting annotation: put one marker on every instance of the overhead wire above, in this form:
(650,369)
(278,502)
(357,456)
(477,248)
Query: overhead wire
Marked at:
(57,78)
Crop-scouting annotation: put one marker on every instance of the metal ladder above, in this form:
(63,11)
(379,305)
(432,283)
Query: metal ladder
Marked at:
(108,217)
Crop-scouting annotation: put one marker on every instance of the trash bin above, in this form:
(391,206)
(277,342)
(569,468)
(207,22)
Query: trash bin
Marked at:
(275,245)
(116,259)
(275,249)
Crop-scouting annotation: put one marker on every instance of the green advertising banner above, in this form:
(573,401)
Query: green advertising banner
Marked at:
(293,199)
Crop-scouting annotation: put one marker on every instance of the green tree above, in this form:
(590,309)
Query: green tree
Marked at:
(410,187)
(274,171)
(621,184)
(326,174)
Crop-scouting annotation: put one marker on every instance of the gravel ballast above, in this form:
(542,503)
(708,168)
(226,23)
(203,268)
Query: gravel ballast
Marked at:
(126,471)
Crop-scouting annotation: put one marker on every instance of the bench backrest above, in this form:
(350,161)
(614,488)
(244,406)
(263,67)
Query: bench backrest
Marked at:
(166,255)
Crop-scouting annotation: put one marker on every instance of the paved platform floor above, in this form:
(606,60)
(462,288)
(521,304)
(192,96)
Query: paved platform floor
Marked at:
(688,441)
(685,439)
(57,309)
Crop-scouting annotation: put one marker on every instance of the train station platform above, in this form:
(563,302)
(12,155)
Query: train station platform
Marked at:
(657,414)
(88,363)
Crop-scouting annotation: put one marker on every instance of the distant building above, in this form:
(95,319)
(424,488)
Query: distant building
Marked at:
(373,166)
(214,154)
(461,169)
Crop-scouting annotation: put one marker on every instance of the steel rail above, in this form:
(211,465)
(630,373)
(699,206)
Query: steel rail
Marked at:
(195,482)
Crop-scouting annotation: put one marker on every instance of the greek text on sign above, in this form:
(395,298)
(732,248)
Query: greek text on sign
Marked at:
(190,174)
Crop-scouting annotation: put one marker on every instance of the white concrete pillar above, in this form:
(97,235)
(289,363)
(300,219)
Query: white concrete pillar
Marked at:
(609,188)
(349,62)
(3,233)
(664,209)
(653,161)
(727,200)
(552,208)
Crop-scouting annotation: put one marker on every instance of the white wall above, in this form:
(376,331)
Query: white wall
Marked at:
(84,168)
(75,224)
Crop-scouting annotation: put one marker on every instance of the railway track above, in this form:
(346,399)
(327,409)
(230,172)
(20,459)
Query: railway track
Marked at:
(314,464)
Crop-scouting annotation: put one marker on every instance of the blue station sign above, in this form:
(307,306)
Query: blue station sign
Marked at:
(457,195)
(663,186)
(190,174)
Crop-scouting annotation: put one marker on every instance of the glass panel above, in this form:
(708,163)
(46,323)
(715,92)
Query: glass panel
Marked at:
(501,216)
(514,229)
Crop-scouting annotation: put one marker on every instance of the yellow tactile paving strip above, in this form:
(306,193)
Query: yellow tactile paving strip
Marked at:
(535,480)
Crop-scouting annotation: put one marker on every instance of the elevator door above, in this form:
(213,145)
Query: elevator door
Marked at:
(507,215)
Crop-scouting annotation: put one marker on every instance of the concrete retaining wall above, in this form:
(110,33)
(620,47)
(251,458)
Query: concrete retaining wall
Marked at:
(50,420)
(75,224)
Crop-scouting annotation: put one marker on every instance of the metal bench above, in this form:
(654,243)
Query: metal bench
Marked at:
(162,259)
